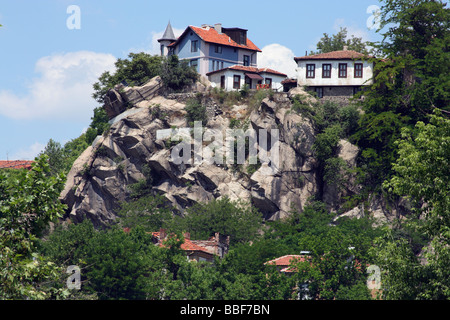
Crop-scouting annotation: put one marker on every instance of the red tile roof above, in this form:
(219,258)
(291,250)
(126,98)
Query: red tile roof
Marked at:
(250,69)
(285,261)
(212,36)
(335,55)
(188,245)
(15,164)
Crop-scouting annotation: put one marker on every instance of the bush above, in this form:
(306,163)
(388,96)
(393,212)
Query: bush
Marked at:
(196,111)
(177,75)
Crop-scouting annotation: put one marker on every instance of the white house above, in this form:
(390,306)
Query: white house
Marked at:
(235,77)
(210,48)
(335,74)
(226,56)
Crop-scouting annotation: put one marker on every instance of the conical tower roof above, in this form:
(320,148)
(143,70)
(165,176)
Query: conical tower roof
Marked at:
(168,34)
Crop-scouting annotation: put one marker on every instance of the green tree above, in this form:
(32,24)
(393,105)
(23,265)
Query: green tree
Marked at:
(238,220)
(337,42)
(98,126)
(61,158)
(150,212)
(136,70)
(72,150)
(55,154)
(409,82)
(196,111)
(422,174)
(177,75)
(333,266)
(28,202)
(120,264)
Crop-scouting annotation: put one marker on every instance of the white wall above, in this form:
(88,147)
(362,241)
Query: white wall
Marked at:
(276,80)
(229,74)
(334,80)
(229,79)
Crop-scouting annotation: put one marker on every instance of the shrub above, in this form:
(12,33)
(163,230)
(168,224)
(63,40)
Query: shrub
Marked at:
(196,111)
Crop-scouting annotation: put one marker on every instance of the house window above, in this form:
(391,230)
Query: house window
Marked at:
(269,82)
(326,71)
(246,61)
(358,70)
(243,38)
(310,71)
(194,63)
(248,82)
(342,70)
(319,91)
(218,49)
(236,82)
(194,46)
(222,82)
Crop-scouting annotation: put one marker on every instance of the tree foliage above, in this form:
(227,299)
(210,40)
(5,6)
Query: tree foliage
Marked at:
(28,202)
(410,81)
(337,42)
(421,173)
(136,70)
(239,220)
(177,75)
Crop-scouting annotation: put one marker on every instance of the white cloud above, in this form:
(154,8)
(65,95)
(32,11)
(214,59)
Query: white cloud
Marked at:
(62,90)
(28,153)
(278,57)
(352,30)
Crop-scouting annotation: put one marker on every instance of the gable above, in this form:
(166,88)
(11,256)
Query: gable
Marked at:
(210,35)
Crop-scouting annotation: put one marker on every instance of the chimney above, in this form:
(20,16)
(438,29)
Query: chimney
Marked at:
(218,27)
(345,48)
(162,234)
(187,236)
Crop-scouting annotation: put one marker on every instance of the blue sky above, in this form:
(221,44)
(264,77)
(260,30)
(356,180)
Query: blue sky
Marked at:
(47,69)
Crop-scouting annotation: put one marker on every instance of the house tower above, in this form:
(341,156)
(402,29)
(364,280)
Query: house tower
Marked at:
(167,38)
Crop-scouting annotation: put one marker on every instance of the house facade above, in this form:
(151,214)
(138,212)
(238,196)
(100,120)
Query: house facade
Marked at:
(224,56)
(210,48)
(334,75)
(198,250)
(235,77)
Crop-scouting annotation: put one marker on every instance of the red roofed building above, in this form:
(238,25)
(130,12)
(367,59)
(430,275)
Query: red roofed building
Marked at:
(16,164)
(198,250)
(214,50)
(285,264)
(335,75)
(234,77)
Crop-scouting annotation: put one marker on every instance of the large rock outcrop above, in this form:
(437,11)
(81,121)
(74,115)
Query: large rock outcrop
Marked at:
(101,177)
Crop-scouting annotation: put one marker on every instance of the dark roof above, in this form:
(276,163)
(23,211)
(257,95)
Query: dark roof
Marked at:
(168,34)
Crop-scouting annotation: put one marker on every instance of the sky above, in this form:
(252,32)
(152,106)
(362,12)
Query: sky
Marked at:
(53,51)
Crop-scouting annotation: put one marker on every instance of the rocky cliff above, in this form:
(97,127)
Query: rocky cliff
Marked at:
(133,151)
